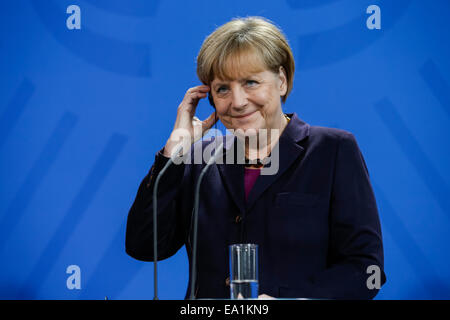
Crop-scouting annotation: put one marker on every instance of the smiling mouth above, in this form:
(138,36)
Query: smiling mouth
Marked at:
(244,115)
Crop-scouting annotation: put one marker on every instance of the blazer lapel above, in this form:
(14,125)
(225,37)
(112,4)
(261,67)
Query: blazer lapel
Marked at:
(289,152)
(288,155)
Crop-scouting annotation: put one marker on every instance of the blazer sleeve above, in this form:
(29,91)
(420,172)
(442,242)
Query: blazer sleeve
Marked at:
(171,233)
(355,231)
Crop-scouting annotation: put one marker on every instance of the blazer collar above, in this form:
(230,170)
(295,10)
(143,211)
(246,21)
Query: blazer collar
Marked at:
(289,150)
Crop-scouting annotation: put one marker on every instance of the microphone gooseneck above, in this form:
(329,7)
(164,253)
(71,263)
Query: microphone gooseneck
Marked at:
(155,228)
(196,205)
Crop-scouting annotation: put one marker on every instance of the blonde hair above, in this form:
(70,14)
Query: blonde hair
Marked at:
(253,42)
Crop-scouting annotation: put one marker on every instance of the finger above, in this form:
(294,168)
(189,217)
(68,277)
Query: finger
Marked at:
(197,95)
(203,88)
(192,101)
(197,89)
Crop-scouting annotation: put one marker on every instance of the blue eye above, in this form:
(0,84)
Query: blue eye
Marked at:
(225,89)
(220,89)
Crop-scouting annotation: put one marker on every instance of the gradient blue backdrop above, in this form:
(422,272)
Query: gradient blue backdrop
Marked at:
(82,113)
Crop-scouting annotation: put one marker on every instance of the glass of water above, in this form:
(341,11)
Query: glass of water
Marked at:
(244,271)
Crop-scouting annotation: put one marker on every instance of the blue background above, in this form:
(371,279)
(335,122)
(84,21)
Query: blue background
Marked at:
(82,113)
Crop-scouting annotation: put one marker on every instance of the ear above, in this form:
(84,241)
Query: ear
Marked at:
(283,81)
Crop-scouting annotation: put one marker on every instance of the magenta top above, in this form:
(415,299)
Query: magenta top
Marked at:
(250,176)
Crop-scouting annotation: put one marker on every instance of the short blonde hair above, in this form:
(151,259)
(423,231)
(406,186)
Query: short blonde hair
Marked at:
(251,43)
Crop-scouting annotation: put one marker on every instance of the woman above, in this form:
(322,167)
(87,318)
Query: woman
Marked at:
(315,219)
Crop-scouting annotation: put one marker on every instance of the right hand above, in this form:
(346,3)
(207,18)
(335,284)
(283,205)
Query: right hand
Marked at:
(188,128)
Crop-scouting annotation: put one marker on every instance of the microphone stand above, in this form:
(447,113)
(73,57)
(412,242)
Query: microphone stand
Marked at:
(155,229)
(196,205)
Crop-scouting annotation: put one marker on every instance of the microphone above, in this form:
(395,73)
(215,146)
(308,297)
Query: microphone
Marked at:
(217,151)
(155,229)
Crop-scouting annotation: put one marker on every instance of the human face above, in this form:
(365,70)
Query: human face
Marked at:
(252,101)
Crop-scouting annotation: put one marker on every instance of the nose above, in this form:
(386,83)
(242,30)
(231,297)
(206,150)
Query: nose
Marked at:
(238,97)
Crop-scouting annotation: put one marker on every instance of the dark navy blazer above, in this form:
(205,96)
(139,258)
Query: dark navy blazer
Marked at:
(315,221)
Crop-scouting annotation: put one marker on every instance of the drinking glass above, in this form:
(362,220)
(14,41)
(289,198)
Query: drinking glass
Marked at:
(244,271)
